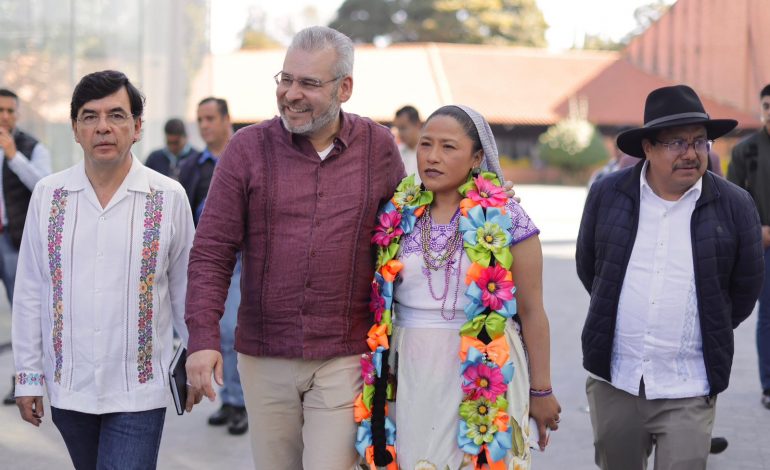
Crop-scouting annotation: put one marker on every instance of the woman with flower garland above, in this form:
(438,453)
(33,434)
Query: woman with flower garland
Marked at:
(459,272)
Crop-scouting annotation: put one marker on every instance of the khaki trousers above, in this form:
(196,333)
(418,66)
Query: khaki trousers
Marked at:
(626,427)
(301,411)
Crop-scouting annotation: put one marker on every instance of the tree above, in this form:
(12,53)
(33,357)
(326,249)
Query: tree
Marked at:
(253,35)
(517,22)
(596,42)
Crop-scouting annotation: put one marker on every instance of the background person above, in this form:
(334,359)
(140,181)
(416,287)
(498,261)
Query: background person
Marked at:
(671,257)
(24,162)
(167,160)
(216,130)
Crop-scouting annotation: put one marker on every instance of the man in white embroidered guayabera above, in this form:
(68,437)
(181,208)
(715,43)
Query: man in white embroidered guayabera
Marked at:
(102,277)
(672,258)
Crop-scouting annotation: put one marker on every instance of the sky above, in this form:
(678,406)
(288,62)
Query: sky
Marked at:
(568,20)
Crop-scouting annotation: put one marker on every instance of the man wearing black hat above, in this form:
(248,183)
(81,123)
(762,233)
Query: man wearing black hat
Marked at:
(672,258)
(750,169)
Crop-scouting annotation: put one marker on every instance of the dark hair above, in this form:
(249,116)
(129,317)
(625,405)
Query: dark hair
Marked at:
(410,112)
(221,105)
(175,126)
(97,85)
(463,119)
(8,93)
(765,91)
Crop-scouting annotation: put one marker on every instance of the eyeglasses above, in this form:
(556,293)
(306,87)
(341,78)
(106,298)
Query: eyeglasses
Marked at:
(680,146)
(285,80)
(115,118)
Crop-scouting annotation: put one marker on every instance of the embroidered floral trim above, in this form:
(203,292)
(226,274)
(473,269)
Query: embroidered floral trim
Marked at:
(55,231)
(486,369)
(153,215)
(24,378)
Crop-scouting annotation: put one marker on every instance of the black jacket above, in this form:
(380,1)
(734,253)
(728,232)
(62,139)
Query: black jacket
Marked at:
(727,256)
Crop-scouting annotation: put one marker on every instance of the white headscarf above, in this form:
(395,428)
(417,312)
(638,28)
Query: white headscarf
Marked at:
(491,160)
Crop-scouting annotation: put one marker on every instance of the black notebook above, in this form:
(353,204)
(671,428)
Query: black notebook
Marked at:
(178,379)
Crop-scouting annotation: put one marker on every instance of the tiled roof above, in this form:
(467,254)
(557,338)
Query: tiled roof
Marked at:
(508,85)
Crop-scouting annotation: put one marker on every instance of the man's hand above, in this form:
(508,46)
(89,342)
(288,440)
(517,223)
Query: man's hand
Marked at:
(31,409)
(509,191)
(194,396)
(7,143)
(765,236)
(200,365)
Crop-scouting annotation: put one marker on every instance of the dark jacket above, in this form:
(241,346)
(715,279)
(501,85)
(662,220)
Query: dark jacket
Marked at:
(15,193)
(727,256)
(750,169)
(159,161)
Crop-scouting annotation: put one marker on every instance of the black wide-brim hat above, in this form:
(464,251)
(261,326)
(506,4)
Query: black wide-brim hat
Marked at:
(672,106)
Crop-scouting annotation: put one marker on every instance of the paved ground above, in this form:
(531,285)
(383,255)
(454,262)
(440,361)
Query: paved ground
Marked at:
(188,443)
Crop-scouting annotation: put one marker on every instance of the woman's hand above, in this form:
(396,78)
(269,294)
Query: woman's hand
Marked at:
(545,411)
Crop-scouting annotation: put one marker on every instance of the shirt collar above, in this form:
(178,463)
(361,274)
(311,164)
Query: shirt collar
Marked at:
(695,188)
(207,155)
(136,179)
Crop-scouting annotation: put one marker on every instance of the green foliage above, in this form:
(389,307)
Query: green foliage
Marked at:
(517,22)
(572,144)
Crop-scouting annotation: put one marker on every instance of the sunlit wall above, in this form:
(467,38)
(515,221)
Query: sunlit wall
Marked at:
(46,46)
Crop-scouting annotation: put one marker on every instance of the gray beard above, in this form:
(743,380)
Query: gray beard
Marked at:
(315,124)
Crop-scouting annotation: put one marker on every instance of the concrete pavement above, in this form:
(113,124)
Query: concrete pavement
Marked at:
(189,443)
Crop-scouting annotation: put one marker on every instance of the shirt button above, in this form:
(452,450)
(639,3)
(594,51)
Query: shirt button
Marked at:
(317,223)
(102,219)
(321,194)
(312,253)
(99,254)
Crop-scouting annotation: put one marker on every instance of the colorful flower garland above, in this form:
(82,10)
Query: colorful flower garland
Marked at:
(485,432)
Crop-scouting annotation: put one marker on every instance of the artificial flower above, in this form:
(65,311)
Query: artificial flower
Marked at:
(482,409)
(481,433)
(376,302)
(492,237)
(486,193)
(485,233)
(368,371)
(388,228)
(408,193)
(495,283)
(424,465)
(482,380)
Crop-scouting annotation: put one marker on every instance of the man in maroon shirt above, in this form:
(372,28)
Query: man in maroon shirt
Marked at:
(298,195)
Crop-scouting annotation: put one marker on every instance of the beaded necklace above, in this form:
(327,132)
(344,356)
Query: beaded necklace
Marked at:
(486,432)
(445,259)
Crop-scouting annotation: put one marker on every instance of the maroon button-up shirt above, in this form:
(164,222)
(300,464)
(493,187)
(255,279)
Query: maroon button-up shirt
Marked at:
(304,227)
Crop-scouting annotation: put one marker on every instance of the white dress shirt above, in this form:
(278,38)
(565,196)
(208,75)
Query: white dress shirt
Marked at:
(409,157)
(97,291)
(29,168)
(657,333)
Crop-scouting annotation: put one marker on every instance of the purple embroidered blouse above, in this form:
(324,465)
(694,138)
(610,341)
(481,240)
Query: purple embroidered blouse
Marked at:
(304,227)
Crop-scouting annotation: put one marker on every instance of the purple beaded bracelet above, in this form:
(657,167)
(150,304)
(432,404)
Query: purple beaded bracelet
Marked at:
(533,392)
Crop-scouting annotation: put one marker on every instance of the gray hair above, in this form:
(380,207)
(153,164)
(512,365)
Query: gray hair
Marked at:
(316,38)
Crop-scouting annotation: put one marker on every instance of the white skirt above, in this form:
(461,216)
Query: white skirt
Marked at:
(428,396)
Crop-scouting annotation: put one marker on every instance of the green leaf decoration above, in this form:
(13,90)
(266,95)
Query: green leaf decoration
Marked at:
(385,254)
(494,323)
(470,184)
(504,257)
(478,254)
(368,396)
(387,319)
(519,446)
